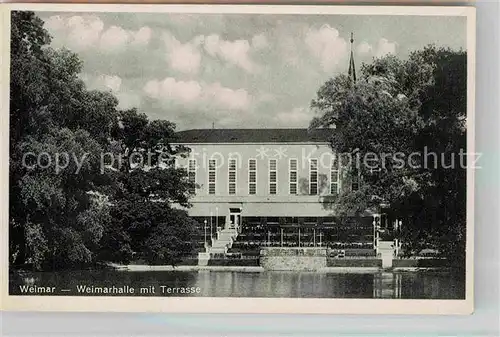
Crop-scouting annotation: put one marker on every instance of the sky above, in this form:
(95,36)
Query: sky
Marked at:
(234,70)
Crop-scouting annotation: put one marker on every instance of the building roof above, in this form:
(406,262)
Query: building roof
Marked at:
(253,136)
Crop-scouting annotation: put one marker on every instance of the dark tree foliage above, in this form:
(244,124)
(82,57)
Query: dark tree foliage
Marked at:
(80,215)
(408,106)
(145,190)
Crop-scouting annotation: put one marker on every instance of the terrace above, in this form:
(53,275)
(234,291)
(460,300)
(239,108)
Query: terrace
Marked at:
(355,237)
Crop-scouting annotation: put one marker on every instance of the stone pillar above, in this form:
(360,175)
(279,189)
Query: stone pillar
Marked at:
(203,259)
(376,224)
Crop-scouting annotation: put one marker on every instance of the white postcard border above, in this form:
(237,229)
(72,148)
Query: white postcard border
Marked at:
(239,305)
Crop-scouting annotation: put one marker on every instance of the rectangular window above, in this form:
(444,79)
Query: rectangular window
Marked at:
(293,176)
(212,167)
(273,176)
(192,175)
(252,176)
(355,180)
(334,176)
(313,177)
(232,176)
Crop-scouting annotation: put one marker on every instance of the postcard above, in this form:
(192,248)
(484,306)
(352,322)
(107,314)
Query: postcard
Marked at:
(238,158)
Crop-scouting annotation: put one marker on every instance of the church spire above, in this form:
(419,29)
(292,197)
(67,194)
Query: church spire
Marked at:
(352,67)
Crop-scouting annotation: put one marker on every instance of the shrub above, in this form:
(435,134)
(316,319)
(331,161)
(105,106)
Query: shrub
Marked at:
(353,262)
(234,262)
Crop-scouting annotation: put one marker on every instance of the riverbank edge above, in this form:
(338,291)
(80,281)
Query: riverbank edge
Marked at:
(258,269)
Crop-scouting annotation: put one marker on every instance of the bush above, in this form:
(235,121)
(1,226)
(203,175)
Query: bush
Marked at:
(188,262)
(353,262)
(234,262)
(420,263)
(354,252)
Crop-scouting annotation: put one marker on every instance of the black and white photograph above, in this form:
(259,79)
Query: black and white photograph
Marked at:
(269,154)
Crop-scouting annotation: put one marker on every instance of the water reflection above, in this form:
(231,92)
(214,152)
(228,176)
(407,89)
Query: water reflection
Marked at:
(406,285)
(387,285)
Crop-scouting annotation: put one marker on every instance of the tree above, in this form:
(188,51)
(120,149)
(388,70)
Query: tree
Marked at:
(147,184)
(50,210)
(404,107)
(57,203)
(168,243)
(77,214)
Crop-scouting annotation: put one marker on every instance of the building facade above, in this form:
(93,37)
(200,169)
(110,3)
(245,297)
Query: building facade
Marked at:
(278,187)
(280,183)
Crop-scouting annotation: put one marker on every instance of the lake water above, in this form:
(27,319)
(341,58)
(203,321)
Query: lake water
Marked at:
(404,285)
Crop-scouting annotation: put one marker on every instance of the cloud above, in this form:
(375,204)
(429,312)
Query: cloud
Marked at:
(83,32)
(385,47)
(128,100)
(185,58)
(182,19)
(382,48)
(289,50)
(234,52)
(104,82)
(295,55)
(55,23)
(297,117)
(198,94)
(142,36)
(111,82)
(259,41)
(364,48)
(172,90)
(189,22)
(80,33)
(327,46)
(238,99)
(265,97)
(114,39)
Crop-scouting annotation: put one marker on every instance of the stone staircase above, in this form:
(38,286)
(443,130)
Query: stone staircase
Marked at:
(386,251)
(224,241)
